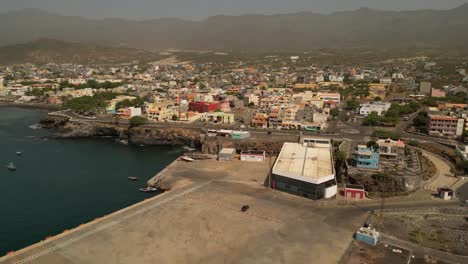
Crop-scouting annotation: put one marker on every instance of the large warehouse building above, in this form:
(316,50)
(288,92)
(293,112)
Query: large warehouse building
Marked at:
(306,170)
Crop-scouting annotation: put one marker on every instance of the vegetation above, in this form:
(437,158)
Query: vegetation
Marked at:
(352,104)
(89,105)
(392,116)
(137,102)
(137,121)
(334,112)
(373,144)
(91,84)
(39,92)
(386,134)
(419,122)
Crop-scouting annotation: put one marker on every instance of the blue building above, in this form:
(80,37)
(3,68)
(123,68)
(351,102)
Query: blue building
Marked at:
(368,235)
(367,158)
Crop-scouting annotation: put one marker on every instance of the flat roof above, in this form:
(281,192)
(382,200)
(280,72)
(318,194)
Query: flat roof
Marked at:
(308,164)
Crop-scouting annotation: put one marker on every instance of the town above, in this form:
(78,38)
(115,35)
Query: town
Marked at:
(377,134)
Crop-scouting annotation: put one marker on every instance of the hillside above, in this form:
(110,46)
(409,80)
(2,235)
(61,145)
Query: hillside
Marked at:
(363,28)
(48,50)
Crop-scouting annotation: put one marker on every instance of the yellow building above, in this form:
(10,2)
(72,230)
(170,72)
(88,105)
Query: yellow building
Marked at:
(377,90)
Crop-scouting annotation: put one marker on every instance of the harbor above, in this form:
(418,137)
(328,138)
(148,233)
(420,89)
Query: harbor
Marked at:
(201,213)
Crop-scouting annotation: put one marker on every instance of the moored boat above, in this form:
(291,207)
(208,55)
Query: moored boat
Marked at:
(11,166)
(188,159)
(149,189)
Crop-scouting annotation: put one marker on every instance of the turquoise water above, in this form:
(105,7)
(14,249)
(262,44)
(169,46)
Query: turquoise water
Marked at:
(60,184)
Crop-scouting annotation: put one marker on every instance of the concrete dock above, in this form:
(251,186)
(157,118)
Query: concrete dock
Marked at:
(199,221)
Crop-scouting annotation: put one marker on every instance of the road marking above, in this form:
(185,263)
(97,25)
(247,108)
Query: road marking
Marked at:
(108,225)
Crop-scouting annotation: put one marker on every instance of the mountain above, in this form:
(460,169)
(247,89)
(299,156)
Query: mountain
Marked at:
(43,51)
(362,28)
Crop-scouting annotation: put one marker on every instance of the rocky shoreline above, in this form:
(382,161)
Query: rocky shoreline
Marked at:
(66,129)
(150,136)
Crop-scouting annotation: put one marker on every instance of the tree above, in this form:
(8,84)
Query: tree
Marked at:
(372,119)
(251,104)
(175,117)
(138,121)
(373,144)
(352,104)
(378,98)
(334,112)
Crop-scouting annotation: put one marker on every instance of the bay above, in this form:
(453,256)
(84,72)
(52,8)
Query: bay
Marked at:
(60,184)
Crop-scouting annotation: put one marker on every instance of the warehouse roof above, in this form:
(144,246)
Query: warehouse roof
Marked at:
(309,164)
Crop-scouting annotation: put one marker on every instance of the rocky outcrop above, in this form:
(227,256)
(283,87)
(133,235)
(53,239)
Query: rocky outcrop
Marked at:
(213,146)
(164,136)
(136,135)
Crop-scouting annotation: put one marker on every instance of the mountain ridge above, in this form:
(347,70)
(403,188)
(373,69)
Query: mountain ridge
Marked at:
(361,28)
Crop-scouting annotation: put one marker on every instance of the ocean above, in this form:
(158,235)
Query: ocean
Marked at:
(60,184)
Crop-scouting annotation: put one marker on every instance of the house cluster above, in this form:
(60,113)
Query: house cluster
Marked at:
(303,111)
(369,157)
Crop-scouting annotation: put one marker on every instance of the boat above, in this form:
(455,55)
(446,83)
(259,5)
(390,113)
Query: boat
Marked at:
(188,159)
(11,166)
(18,153)
(133,178)
(149,189)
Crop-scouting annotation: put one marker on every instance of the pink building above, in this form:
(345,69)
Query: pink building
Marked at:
(437,93)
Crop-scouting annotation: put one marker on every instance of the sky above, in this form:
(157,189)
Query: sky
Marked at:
(200,9)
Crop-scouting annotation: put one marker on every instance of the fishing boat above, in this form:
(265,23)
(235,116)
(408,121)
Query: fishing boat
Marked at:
(18,153)
(149,189)
(133,178)
(11,166)
(188,159)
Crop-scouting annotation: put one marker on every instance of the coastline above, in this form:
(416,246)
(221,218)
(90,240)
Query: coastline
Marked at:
(38,106)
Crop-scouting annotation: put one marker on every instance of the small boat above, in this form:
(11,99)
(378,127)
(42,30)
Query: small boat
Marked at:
(18,153)
(188,159)
(133,178)
(149,189)
(11,166)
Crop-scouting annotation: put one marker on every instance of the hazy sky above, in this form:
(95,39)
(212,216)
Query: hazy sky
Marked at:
(197,9)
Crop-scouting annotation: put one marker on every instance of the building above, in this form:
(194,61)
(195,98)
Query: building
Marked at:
(227,154)
(445,193)
(438,125)
(368,235)
(425,88)
(203,107)
(161,113)
(218,118)
(251,99)
(391,149)
(377,90)
(260,120)
(378,107)
(386,81)
(329,97)
(305,170)
(240,134)
(130,112)
(437,93)
(367,158)
(253,155)
(353,191)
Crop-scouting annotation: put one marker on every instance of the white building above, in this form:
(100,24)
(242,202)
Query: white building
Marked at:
(386,81)
(378,107)
(306,170)
(335,78)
